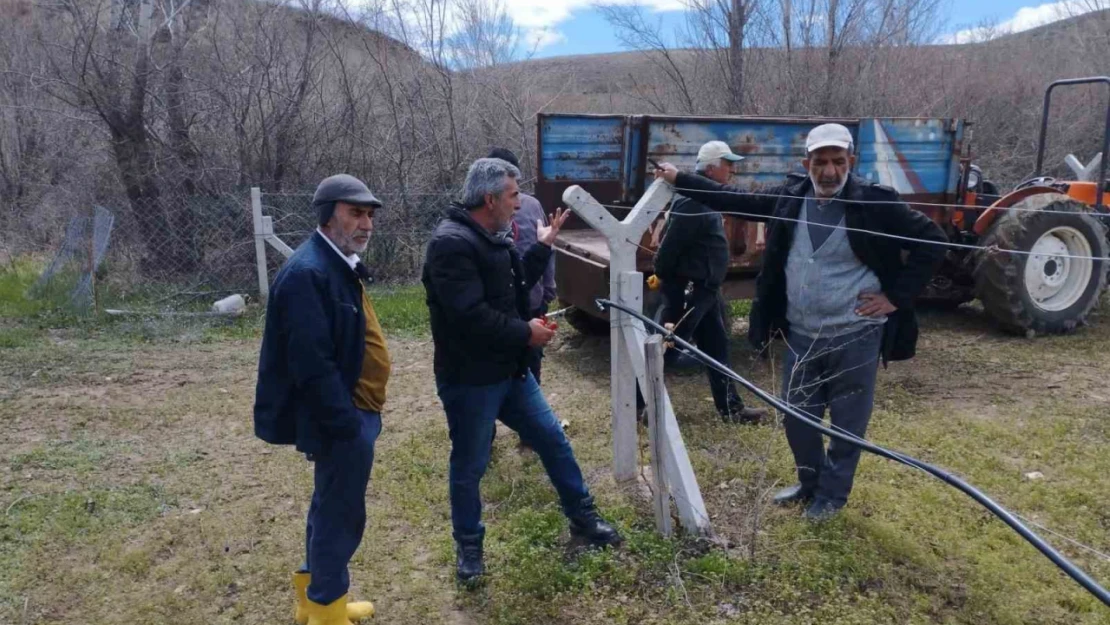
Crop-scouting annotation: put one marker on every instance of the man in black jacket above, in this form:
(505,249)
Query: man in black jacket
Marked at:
(695,250)
(322,375)
(477,293)
(835,285)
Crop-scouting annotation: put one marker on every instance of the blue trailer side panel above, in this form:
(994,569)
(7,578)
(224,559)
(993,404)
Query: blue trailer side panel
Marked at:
(771,148)
(914,156)
(581,148)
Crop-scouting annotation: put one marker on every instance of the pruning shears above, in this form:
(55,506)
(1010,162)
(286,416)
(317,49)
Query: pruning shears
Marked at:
(547,319)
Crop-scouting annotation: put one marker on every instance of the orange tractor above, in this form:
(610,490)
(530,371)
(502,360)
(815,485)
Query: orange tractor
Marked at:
(1046,263)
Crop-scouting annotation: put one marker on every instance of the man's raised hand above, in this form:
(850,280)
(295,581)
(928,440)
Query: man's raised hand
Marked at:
(547,234)
(667,172)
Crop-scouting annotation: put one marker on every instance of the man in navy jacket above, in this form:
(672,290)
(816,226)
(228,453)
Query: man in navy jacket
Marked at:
(477,292)
(322,375)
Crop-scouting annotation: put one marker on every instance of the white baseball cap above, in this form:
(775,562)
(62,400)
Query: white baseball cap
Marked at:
(829,136)
(717,149)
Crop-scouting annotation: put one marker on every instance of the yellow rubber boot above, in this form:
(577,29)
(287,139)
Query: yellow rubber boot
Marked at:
(356,610)
(335,613)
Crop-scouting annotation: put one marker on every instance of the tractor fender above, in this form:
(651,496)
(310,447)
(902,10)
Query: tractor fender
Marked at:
(996,210)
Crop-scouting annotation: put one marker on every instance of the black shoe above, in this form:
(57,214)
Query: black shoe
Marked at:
(468,565)
(822,510)
(683,362)
(744,416)
(588,525)
(792,495)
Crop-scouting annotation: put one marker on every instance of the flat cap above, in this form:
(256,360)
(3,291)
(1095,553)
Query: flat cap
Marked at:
(344,188)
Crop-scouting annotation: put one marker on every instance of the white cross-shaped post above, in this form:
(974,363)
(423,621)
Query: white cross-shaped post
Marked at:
(626,346)
(1084,173)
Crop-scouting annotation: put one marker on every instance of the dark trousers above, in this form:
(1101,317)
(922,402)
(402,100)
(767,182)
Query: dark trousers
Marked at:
(519,404)
(337,514)
(837,373)
(703,316)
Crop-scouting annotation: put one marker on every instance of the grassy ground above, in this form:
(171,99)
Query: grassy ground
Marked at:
(132,489)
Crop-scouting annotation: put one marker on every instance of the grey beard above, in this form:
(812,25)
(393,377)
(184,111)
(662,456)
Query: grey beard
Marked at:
(835,193)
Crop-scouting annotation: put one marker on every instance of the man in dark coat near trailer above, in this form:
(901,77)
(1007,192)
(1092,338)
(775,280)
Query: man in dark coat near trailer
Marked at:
(836,287)
(694,251)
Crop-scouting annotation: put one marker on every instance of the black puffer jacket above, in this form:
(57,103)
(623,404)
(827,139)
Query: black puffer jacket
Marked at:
(477,288)
(869,207)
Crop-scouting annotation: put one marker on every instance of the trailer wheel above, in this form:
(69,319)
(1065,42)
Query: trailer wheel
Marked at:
(1057,277)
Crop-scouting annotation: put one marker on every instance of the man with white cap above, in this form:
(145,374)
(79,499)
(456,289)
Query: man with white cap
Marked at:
(322,376)
(840,293)
(694,250)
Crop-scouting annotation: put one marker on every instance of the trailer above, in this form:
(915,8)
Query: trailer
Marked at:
(609,156)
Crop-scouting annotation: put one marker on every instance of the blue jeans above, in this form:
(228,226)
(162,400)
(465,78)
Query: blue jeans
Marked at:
(519,404)
(838,374)
(337,514)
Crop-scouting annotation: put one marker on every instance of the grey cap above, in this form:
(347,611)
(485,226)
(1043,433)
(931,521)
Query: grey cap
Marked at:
(344,188)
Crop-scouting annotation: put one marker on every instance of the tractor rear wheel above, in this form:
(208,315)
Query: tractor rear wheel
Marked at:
(1057,274)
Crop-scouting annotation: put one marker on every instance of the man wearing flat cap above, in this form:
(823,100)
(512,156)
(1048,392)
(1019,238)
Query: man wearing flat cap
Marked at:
(322,376)
(845,260)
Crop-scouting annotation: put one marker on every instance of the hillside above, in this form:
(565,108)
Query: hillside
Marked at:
(587,83)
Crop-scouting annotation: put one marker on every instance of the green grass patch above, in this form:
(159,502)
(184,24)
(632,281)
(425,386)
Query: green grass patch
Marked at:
(42,528)
(16,281)
(740,308)
(401,309)
(79,456)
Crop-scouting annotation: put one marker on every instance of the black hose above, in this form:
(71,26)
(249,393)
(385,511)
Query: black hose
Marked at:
(1073,571)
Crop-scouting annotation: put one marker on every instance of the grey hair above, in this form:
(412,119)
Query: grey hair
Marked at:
(702,166)
(486,175)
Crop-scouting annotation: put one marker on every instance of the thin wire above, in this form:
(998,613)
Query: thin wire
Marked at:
(446,194)
(1069,539)
(988,248)
(902,200)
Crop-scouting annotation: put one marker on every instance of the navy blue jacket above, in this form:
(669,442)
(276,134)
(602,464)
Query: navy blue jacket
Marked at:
(312,350)
(478,298)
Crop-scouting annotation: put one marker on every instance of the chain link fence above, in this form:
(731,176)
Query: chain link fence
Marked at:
(182,252)
(401,229)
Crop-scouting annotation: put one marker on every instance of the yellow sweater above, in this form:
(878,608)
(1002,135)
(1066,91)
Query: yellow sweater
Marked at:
(370,390)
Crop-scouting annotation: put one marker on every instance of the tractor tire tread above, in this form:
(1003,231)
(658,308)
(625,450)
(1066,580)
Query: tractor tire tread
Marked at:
(999,276)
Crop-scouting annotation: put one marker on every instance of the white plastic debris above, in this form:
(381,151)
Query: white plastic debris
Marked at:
(1034,476)
(230,305)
